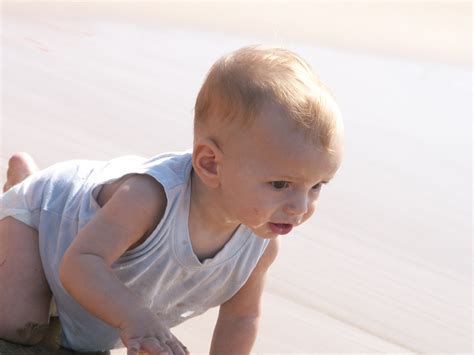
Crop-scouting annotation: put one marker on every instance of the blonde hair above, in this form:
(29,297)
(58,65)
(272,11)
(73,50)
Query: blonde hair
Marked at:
(239,84)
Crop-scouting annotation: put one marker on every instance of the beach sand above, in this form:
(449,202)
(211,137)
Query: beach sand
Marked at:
(385,266)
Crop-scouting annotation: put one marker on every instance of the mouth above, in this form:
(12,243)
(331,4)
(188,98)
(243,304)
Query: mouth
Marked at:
(280,228)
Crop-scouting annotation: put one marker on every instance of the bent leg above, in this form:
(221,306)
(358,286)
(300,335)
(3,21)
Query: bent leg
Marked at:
(25,298)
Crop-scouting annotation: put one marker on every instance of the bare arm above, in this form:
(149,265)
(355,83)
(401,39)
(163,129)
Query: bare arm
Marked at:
(237,325)
(85,270)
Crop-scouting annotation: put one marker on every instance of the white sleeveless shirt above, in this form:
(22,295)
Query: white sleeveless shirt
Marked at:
(163,270)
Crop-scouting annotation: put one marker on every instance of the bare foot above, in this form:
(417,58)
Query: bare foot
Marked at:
(20,166)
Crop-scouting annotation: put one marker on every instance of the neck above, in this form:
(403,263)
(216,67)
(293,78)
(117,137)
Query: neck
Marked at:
(207,216)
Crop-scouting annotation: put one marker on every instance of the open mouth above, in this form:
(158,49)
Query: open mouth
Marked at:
(280,228)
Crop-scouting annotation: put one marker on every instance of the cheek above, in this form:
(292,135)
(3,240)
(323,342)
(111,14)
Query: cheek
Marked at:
(310,212)
(256,212)
(253,215)
(254,209)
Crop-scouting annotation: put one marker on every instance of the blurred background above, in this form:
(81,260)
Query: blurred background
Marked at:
(386,264)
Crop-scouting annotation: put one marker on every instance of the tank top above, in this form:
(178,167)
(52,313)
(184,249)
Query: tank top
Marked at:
(163,270)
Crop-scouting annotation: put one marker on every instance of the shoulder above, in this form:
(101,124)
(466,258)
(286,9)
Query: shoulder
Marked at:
(246,302)
(269,256)
(128,215)
(143,187)
(266,260)
(143,197)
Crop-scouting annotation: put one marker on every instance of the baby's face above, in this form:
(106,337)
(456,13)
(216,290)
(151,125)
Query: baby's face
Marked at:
(272,175)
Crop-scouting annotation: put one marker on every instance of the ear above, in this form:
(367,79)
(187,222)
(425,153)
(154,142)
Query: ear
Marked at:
(207,157)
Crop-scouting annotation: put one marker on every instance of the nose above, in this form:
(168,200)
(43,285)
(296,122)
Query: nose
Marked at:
(298,205)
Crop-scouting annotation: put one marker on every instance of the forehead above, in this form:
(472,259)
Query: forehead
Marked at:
(294,159)
(273,146)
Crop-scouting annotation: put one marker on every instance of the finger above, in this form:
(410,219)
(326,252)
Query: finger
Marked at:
(168,350)
(153,346)
(185,349)
(176,348)
(132,347)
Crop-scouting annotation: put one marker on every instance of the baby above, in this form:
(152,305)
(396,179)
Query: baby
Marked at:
(129,248)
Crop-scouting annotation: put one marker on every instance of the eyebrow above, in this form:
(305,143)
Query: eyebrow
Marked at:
(296,178)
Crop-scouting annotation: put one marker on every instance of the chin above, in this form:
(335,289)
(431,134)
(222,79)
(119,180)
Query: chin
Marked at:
(269,237)
(266,235)
(264,232)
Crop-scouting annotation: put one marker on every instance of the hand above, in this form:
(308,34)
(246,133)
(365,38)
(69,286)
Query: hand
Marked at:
(144,333)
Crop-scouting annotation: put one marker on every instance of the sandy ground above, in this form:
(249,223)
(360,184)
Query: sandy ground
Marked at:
(386,264)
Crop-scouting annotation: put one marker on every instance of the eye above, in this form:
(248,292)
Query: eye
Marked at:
(317,186)
(279,184)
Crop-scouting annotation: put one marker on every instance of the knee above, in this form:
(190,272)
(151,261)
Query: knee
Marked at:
(28,334)
(32,333)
